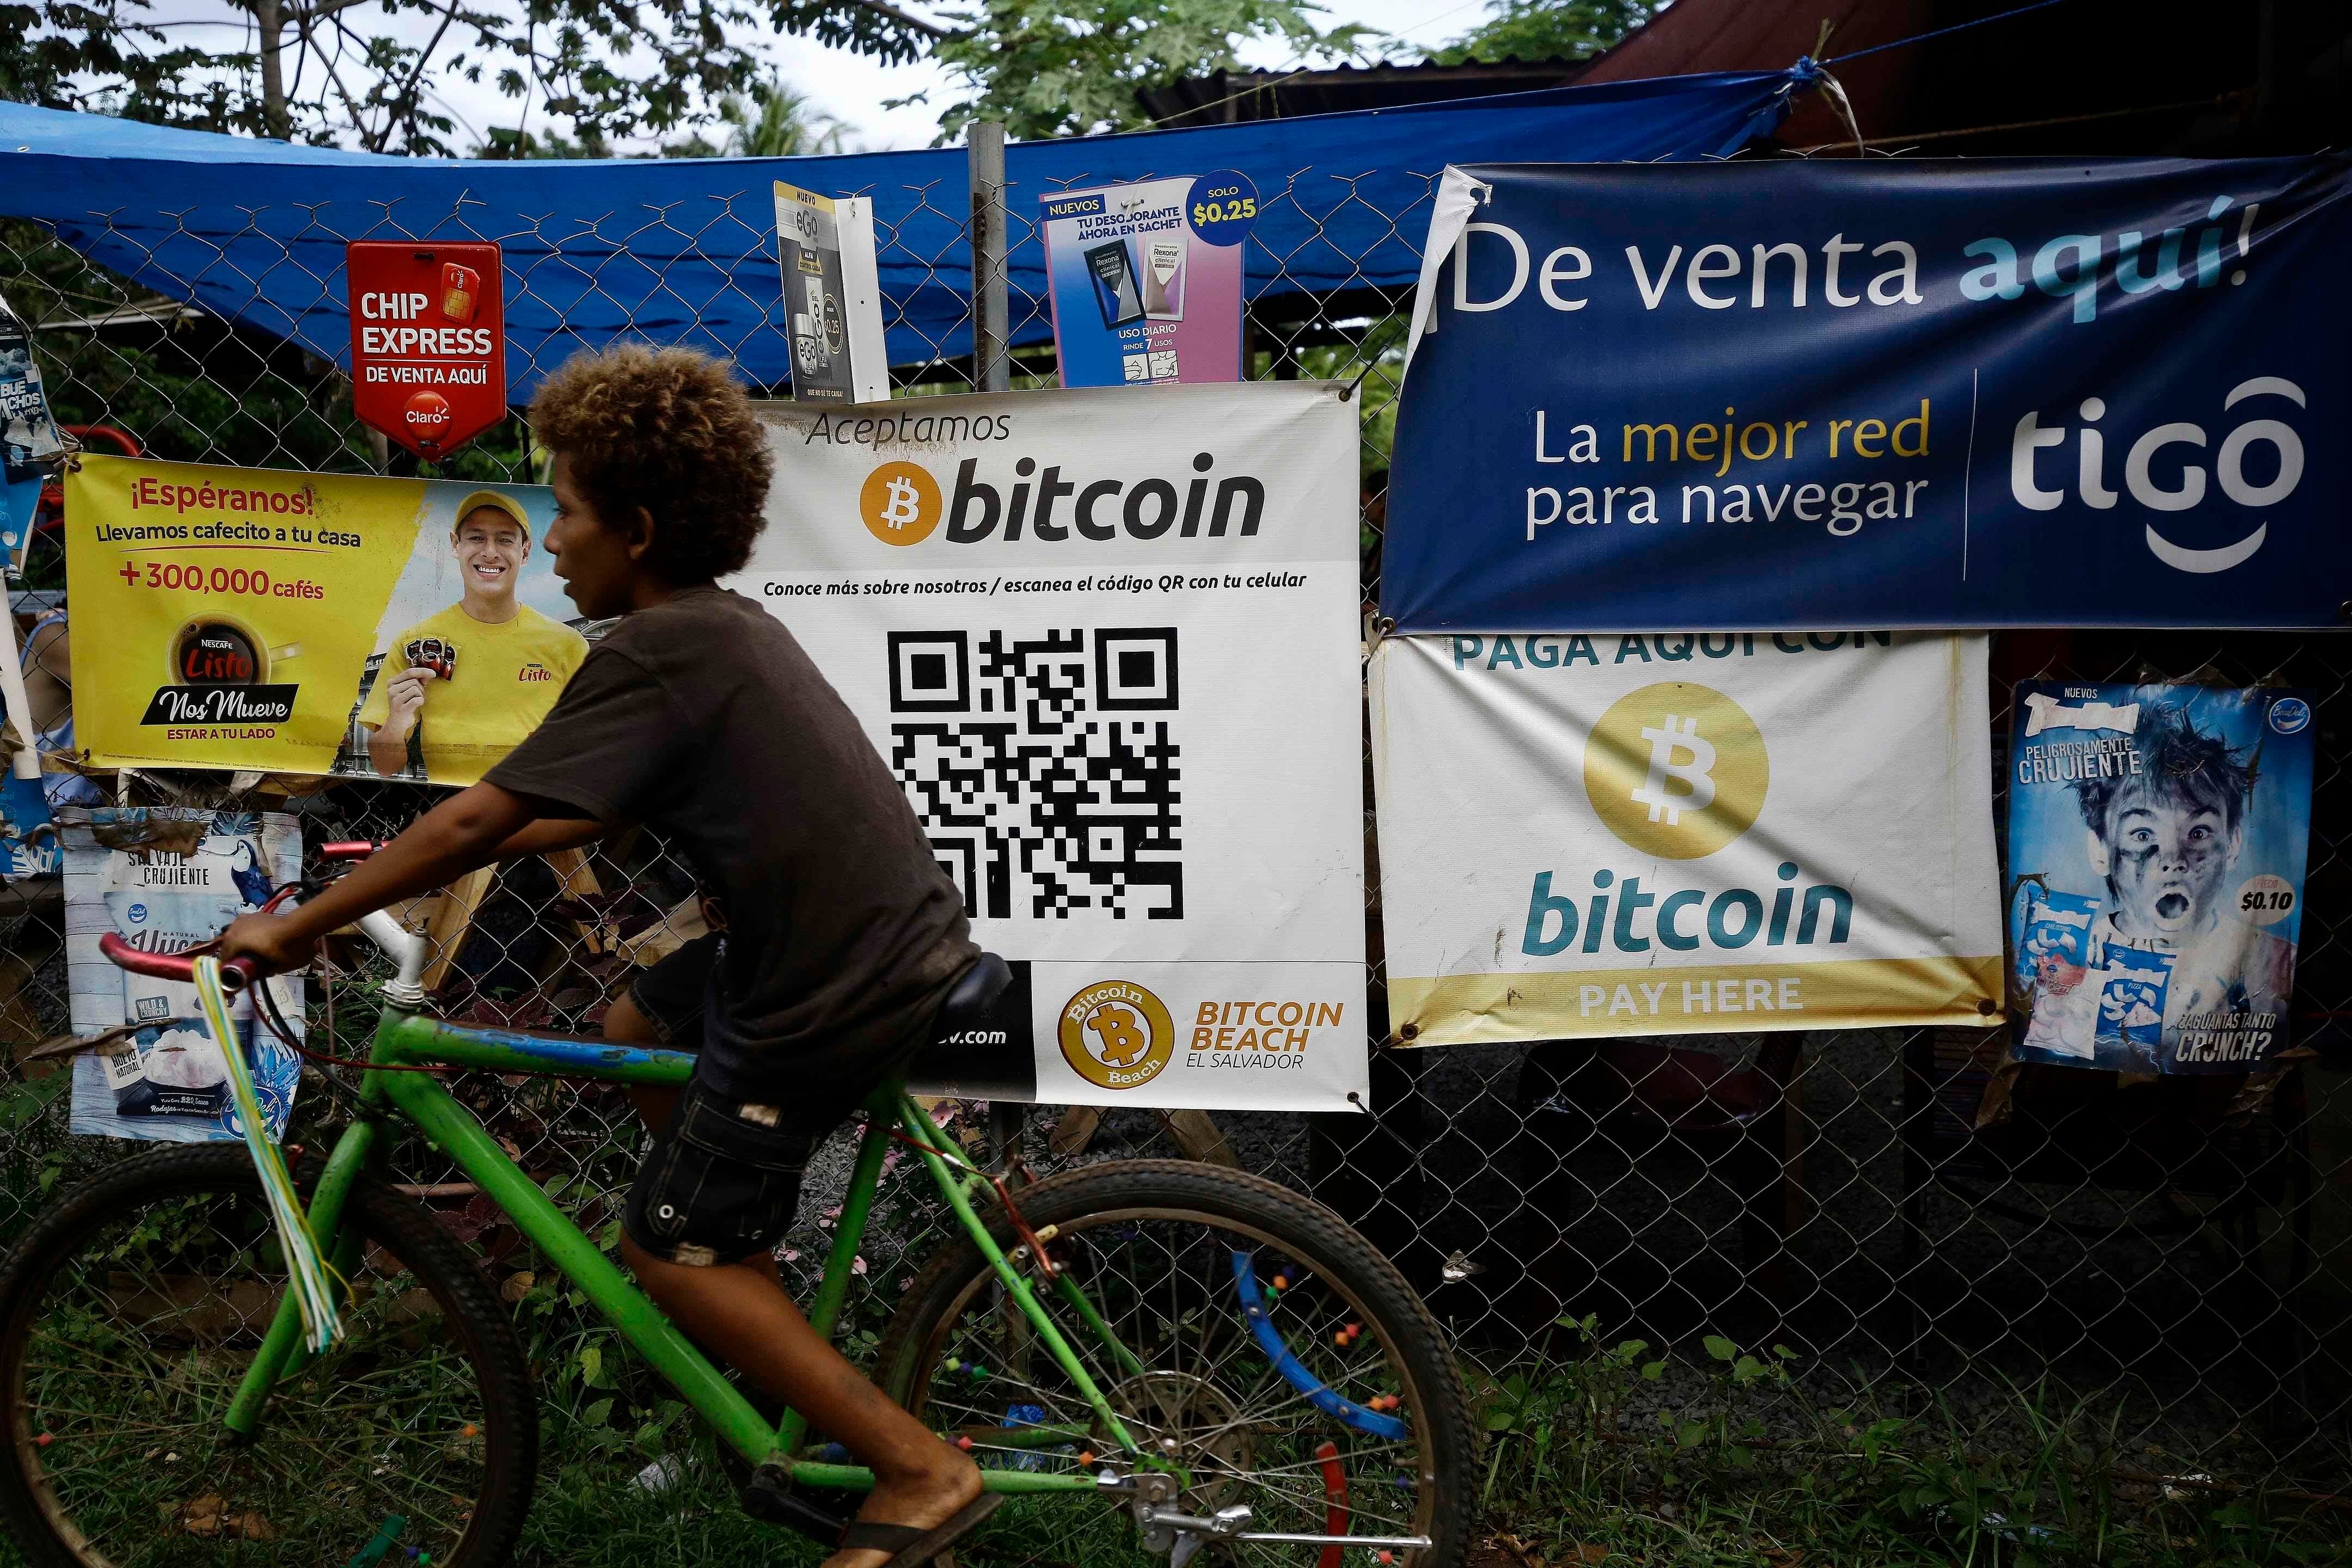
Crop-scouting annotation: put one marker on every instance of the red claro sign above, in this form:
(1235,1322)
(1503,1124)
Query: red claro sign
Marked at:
(428,343)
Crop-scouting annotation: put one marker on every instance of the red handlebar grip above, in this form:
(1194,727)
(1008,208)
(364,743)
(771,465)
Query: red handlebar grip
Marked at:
(350,848)
(236,974)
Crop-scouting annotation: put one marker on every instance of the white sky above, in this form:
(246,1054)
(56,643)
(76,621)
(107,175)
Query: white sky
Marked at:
(851,87)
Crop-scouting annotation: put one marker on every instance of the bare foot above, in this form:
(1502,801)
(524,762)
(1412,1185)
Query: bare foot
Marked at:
(926,1499)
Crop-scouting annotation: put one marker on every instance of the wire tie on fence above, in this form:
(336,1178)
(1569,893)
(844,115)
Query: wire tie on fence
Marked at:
(1029,1238)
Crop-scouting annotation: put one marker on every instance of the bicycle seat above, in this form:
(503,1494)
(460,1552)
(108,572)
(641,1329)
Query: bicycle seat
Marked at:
(973,995)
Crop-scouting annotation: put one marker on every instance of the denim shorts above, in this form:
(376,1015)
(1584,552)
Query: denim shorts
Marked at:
(721,1180)
(673,992)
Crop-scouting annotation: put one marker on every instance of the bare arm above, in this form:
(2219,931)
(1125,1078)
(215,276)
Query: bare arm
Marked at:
(465,832)
(387,752)
(403,700)
(549,834)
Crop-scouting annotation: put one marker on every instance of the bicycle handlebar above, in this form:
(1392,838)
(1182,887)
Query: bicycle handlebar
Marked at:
(236,974)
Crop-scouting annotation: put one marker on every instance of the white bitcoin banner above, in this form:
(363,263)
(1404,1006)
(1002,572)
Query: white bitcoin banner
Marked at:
(1685,833)
(1108,640)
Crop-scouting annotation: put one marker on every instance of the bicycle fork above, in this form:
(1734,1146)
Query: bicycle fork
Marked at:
(282,1352)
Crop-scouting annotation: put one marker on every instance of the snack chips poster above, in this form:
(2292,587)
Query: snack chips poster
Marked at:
(2157,838)
(310,623)
(166,881)
(1146,279)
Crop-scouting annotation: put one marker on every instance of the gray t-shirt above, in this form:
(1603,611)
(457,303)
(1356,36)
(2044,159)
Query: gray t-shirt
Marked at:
(702,718)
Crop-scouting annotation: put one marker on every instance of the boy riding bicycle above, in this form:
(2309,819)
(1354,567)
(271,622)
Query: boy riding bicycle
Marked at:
(700,716)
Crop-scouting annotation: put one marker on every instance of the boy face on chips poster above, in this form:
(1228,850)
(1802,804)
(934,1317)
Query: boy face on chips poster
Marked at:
(2156,841)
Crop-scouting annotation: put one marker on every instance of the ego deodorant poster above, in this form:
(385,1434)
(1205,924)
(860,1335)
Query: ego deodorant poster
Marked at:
(1147,279)
(2157,837)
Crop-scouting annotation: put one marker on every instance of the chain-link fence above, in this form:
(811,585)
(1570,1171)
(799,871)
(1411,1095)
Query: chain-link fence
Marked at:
(1929,1236)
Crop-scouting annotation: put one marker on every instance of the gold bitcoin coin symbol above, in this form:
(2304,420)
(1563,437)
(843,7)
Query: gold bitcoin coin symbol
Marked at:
(1676,770)
(1116,1035)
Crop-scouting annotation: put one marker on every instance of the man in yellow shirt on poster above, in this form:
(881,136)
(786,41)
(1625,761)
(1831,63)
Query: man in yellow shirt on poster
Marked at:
(488,668)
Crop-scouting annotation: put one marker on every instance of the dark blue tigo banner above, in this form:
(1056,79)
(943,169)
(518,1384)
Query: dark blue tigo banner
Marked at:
(2013,392)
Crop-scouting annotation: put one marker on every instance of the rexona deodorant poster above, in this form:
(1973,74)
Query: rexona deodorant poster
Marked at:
(1147,279)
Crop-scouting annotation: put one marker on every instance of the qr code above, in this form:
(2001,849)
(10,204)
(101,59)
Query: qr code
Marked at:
(1042,769)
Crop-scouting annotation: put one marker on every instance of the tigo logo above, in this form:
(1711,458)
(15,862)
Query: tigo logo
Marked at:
(900,503)
(1116,1035)
(1676,770)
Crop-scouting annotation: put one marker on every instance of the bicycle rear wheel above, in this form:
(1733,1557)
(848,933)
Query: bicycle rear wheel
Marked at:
(130,1314)
(1171,1252)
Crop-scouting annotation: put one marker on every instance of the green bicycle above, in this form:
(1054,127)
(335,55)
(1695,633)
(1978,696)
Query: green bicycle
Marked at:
(1152,1358)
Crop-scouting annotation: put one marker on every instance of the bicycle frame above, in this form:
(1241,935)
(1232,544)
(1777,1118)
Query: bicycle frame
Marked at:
(410,1039)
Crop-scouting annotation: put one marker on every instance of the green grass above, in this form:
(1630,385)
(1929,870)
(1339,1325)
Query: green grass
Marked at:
(1613,1456)
(1609,1460)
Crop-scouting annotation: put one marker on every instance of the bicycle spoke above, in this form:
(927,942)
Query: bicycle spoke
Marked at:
(1208,1397)
(139,1342)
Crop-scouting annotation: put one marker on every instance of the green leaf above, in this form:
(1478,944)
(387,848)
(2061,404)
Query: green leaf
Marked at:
(1720,1348)
(598,1414)
(1545,30)
(25,1101)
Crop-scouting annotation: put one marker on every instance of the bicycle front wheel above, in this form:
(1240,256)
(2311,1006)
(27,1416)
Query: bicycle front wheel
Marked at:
(128,1317)
(1250,1341)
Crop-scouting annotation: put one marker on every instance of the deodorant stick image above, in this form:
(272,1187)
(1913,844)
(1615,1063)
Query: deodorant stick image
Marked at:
(1163,279)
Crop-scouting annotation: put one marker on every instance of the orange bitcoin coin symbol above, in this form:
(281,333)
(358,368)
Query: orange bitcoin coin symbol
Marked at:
(1123,1039)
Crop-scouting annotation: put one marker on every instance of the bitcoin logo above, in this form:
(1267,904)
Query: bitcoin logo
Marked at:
(1696,772)
(1123,1038)
(900,503)
(1676,770)
(1116,1035)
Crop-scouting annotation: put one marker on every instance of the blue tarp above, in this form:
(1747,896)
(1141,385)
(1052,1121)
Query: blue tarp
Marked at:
(684,250)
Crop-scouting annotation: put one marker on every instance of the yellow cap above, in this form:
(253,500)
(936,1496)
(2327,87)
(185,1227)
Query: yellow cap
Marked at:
(498,501)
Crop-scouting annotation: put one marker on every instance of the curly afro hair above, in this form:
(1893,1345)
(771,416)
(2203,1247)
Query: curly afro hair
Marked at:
(668,431)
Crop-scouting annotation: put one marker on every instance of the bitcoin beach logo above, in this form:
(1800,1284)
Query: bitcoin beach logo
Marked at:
(1676,770)
(900,503)
(1116,1035)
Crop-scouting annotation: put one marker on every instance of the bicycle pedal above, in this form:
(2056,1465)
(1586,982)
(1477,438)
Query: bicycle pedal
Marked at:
(770,1497)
